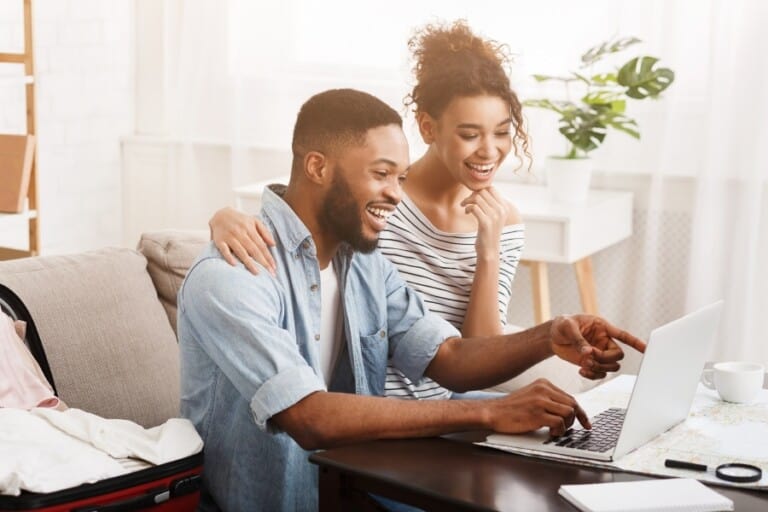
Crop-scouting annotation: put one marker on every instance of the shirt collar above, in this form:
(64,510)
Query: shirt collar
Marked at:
(287,224)
(289,227)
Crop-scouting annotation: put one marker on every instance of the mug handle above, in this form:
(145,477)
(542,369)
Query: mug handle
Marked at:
(707,377)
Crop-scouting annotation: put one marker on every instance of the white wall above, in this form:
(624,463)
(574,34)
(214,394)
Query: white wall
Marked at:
(174,185)
(84,60)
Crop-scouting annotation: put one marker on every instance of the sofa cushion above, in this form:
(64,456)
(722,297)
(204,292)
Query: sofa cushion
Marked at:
(170,254)
(108,341)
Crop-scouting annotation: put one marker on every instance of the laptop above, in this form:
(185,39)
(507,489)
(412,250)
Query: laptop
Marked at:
(661,398)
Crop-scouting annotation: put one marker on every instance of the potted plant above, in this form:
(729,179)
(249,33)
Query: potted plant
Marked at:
(601,106)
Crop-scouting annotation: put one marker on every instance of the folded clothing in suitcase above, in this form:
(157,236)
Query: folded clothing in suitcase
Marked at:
(170,486)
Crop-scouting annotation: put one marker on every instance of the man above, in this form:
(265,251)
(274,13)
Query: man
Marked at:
(273,366)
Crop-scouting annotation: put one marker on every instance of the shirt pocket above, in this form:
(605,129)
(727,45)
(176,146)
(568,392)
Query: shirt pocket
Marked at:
(374,349)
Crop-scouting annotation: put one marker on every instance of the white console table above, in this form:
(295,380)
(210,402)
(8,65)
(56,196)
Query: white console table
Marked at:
(568,233)
(554,233)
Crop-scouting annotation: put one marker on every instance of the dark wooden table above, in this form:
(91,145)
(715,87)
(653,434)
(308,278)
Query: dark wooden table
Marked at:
(453,475)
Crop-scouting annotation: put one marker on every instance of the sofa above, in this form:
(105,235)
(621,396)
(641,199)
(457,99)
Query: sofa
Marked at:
(107,319)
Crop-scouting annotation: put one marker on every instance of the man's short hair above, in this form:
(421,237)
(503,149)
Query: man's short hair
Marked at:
(338,118)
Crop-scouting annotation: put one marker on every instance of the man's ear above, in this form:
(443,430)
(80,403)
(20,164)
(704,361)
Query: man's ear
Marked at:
(316,167)
(427,127)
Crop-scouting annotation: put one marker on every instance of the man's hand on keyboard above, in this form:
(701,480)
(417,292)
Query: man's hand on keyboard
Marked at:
(539,404)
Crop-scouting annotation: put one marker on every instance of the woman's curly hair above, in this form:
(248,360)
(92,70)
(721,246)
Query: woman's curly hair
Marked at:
(450,61)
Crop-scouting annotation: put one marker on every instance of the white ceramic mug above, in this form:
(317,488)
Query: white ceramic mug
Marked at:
(735,381)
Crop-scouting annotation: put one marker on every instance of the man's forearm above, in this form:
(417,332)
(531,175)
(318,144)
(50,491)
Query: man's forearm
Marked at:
(324,419)
(477,363)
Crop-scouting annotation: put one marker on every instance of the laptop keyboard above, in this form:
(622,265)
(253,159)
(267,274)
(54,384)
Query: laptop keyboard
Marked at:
(606,427)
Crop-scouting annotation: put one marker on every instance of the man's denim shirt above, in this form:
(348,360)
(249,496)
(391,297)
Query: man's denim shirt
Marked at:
(248,351)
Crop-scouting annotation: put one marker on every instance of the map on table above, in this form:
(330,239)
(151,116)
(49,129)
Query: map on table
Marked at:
(714,433)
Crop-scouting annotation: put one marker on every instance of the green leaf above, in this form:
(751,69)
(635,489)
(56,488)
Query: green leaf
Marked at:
(561,107)
(629,131)
(619,106)
(582,78)
(596,53)
(546,78)
(623,43)
(623,124)
(604,79)
(601,97)
(642,80)
(583,129)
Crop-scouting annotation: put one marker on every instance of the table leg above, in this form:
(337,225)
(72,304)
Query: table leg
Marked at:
(338,490)
(586,281)
(540,285)
(329,490)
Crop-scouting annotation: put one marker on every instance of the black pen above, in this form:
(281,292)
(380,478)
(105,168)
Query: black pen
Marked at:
(681,464)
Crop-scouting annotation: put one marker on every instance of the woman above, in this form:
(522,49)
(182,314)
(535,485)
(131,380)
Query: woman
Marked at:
(453,237)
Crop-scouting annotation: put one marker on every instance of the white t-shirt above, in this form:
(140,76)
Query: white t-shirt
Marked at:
(330,316)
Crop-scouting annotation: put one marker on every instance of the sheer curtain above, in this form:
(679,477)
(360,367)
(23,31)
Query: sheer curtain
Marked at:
(729,231)
(238,72)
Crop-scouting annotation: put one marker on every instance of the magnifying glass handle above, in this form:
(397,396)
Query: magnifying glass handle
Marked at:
(681,464)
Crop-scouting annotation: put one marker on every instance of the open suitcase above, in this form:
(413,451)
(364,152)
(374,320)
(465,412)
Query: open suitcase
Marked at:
(174,486)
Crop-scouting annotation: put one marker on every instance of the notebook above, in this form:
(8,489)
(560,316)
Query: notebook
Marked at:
(661,398)
(678,494)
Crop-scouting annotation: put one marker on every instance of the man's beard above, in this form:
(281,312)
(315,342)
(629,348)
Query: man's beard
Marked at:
(340,215)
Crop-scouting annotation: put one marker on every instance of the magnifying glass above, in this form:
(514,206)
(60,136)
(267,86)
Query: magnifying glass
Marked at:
(731,472)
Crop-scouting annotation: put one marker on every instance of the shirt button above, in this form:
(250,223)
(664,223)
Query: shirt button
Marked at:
(382,334)
(317,337)
(313,287)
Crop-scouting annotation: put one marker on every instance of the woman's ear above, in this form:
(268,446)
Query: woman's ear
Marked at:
(427,127)
(316,167)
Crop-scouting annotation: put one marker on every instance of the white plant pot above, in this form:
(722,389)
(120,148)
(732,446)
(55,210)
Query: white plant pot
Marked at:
(568,179)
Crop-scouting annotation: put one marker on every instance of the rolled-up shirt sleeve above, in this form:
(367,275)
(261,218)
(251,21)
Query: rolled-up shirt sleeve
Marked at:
(235,318)
(415,333)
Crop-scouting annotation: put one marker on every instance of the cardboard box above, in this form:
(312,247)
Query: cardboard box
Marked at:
(16,155)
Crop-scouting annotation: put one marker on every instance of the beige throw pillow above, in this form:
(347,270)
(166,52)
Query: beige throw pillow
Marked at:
(170,254)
